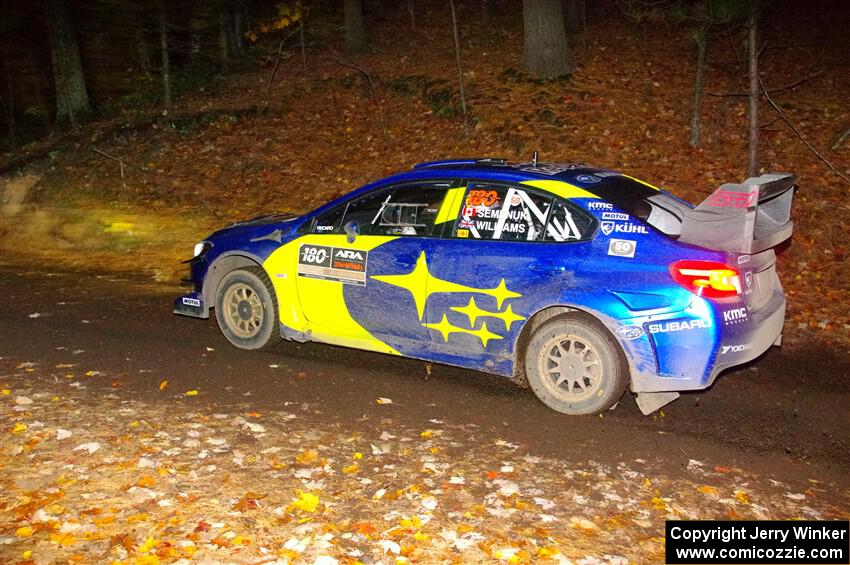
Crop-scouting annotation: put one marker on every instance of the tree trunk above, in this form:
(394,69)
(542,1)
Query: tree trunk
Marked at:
(72,99)
(696,117)
(302,41)
(166,61)
(196,27)
(752,168)
(8,100)
(355,31)
(459,69)
(224,38)
(239,30)
(574,15)
(545,51)
(144,54)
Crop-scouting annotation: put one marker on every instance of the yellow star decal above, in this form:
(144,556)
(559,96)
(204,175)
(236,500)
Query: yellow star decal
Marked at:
(421,284)
(473,312)
(447,328)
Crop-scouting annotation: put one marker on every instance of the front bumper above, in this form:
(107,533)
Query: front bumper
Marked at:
(191,304)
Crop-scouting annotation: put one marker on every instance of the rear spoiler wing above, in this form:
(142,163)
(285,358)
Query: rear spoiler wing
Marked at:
(743,218)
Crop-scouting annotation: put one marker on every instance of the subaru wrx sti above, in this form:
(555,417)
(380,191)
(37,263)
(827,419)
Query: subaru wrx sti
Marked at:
(578,281)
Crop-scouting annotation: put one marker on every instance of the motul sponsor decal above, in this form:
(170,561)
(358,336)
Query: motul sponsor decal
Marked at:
(615,216)
(339,264)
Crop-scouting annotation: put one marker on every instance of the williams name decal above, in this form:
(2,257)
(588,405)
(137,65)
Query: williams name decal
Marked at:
(347,266)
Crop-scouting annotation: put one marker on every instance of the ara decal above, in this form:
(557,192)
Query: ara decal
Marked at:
(347,266)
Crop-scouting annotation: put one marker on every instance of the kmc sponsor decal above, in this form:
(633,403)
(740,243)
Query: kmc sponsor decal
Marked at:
(609,227)
(735,316)
(629,332)
(678,325)
(622,247)
(339,264)
(599,206)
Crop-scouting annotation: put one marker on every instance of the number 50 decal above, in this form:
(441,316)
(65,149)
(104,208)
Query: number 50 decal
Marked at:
(622,247)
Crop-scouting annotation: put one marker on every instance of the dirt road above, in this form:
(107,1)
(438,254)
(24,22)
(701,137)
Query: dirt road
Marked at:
(485,471)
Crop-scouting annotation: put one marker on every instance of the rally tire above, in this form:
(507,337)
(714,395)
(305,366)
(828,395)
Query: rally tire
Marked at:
(246,309)
(575,366)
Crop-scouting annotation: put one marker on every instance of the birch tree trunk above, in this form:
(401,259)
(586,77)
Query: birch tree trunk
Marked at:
(753,48)
(696,117)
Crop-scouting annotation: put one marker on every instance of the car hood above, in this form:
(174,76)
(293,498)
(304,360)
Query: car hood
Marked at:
(284,220)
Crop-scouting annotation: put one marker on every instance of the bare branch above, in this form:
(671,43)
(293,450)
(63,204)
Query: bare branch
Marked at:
(800,135)
(772,90)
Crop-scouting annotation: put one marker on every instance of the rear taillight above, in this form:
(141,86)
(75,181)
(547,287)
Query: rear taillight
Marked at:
(707,278)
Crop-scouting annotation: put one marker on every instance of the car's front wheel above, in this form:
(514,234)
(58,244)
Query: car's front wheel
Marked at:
(574,365)
(246,309)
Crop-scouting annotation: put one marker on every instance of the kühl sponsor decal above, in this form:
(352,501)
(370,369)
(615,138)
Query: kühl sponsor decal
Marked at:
(609,227)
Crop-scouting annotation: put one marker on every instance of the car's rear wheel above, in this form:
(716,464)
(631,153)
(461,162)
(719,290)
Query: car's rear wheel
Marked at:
(246,309)
(575,366)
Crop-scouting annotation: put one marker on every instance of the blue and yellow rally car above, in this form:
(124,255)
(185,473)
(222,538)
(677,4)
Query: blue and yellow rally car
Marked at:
(578,281)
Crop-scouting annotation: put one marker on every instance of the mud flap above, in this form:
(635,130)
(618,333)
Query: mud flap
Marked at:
(649,402)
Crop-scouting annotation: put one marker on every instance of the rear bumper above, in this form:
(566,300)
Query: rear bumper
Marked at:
(766,330)
(693,359)
(192,305)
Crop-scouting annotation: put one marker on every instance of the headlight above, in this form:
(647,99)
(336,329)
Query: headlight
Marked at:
(201,248)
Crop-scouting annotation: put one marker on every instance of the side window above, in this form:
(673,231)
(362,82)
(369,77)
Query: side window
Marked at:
(408,210)
(568,223)
(330,221)
(504,213)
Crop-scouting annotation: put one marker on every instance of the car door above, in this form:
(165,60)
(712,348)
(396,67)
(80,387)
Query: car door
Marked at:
(362,289)
(510,252)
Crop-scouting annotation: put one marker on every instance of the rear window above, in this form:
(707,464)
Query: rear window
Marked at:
(626,194)
(656,208)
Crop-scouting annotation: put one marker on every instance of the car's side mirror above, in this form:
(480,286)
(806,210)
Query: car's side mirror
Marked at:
(352,230)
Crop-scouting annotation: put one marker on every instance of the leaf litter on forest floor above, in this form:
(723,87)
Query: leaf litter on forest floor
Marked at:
(153,482)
